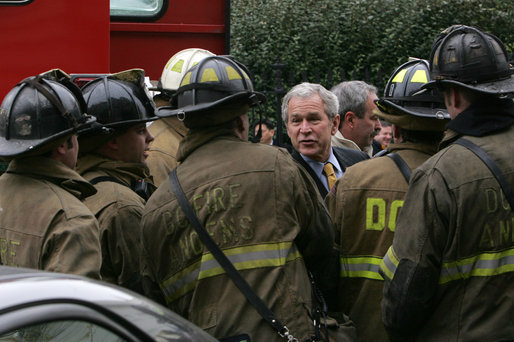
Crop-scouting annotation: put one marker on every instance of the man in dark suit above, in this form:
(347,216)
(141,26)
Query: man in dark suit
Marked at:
(264,132)
(311,115)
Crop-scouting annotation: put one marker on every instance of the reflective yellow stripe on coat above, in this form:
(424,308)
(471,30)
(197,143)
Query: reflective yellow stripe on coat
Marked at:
(361,267)
(481,265)
(243,258)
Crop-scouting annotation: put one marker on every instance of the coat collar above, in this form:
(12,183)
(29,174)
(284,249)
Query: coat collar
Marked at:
(125,172)
(54,172)
(484,117)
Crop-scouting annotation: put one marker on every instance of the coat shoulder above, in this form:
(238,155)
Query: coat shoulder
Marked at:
(348,156)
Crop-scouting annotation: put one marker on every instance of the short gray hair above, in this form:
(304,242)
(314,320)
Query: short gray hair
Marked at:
(352,96)
(305,90)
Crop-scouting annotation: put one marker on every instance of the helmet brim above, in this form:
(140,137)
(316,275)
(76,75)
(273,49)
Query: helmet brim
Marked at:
(165,112)
(115,125)
(94,137)
(499,87)
(14,148)
(413,117)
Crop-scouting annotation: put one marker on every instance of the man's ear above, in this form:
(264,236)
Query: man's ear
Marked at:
(61,149)
(335,124)
(113,144)
(456,97)
(240,126)
(239,123)
(397,133)
(349,118)
(62,146)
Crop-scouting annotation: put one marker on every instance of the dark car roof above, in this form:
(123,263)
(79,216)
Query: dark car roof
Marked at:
(21,287)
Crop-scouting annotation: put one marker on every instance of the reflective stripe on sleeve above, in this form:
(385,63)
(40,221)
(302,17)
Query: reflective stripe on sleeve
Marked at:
(243,258)
(389,264)
(361,267)
(481,265)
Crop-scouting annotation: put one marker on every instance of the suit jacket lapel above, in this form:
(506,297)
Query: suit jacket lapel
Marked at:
(321,188)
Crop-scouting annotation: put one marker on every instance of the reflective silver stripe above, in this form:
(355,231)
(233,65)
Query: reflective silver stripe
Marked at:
(361,267)
(248,257)
(481,265)
(183,284)
(389,263)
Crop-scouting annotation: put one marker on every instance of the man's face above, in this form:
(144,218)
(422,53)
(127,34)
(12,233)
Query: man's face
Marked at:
(309,127)
(385,135)
(134,144)
(266,134)
(369,126)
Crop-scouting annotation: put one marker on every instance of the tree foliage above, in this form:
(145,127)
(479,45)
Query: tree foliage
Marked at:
(341,36)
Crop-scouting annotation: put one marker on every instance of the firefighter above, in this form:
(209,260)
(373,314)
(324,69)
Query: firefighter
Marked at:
(364,204)
(115,164)
(258,205)
(169,131)
(43,223)
(449,274)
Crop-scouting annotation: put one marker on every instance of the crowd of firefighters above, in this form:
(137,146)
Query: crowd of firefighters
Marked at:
(335,243)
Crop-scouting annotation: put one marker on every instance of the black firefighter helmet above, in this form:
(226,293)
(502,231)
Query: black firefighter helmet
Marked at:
(38,111)
(468,57)
(119,100)
(406,105)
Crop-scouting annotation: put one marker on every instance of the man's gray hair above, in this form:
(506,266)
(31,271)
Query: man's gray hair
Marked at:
(305,90)
(352,96)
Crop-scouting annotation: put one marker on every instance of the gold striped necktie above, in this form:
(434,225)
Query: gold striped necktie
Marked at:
(331,176)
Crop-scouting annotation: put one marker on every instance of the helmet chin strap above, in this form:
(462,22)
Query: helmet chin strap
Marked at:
(257,137)
(54,100)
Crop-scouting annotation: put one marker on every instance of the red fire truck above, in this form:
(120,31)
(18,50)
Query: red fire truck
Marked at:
(105,36)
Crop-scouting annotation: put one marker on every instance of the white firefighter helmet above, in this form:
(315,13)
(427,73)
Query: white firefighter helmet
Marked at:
(177,66)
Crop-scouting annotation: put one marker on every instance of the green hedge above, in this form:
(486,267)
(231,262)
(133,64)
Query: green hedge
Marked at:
(347,35)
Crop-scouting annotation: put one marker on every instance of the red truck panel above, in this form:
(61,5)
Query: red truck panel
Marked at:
(47,34)
(186,24)
(78,37)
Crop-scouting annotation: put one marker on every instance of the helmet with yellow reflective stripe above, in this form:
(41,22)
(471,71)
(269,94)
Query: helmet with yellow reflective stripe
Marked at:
(177,66)
(213,82)
(404,99)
